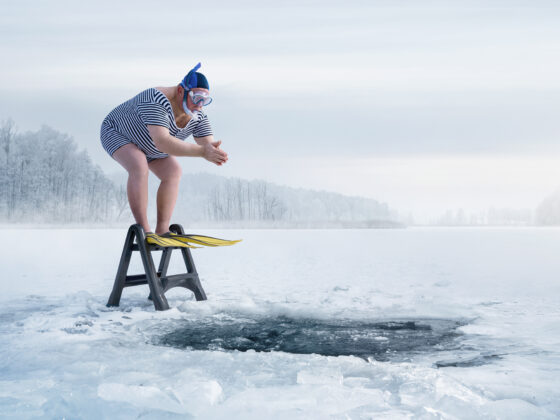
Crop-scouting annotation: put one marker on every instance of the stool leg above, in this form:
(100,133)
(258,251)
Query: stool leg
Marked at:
(194,285)
(120,279)
(156,289)
(163,264)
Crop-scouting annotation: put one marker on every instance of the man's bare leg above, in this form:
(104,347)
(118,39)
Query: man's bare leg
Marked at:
(134,161)
(169,172)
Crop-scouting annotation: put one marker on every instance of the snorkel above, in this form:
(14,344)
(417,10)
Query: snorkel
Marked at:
(190,81)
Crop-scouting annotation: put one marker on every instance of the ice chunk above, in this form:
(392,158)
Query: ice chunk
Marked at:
(320,376)
(191,397)
(516,409)
(141,396)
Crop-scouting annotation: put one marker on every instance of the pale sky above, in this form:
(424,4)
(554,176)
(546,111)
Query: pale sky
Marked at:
(426,105)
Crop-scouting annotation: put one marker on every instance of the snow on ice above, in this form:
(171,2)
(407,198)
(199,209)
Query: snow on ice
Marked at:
(431,323)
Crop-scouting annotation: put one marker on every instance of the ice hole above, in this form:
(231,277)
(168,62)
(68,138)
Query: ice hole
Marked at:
(381,340)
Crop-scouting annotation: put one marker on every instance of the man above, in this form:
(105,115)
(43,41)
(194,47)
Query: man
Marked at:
(145,133)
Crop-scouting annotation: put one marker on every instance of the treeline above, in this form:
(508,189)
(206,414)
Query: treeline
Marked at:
(45,178)
(206,197)
(489,217)
(236,199)
(548,211)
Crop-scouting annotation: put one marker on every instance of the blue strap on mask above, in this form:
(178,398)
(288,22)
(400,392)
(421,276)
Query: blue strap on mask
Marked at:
(190,81)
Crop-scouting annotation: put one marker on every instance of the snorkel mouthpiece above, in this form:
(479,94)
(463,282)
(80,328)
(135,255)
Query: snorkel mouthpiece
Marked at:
(186,108)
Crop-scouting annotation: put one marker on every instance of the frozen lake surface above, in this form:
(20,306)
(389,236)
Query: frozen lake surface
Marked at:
(299,324)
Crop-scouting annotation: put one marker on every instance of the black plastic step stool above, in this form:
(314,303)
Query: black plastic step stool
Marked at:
(158,281)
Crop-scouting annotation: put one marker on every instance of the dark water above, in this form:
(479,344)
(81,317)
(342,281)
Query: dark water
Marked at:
(383,340)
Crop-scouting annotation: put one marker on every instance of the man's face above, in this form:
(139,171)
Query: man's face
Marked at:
(190,104)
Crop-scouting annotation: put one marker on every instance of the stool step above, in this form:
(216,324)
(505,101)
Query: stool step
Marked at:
(136,279)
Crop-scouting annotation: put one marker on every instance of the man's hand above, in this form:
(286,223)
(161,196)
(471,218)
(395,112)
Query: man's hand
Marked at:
(214,154)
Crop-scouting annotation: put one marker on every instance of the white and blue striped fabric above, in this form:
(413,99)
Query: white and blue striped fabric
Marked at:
(127,124)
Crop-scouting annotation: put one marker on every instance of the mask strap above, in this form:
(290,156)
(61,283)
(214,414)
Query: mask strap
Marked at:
(190,81)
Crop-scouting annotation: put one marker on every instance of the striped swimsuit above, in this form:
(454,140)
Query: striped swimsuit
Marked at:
(127,124)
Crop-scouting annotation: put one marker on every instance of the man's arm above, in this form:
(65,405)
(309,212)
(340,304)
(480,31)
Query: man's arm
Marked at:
(204,140)
(166,143)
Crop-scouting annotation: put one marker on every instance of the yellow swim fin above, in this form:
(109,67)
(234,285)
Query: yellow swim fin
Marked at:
(165,242)
(204,240)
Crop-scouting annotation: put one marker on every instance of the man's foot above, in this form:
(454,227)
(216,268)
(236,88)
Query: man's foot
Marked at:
(164,241)
(174,237)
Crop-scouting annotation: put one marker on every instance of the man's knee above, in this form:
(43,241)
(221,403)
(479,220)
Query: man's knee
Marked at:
(171,172)
(176,171)
(132,159)
(139,169)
